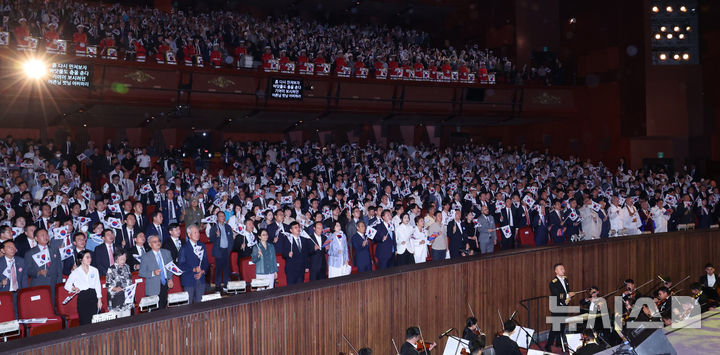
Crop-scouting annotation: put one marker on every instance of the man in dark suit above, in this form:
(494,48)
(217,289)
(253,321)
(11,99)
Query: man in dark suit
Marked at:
(136,251)
(170,208)
(152,268)
(79,242)
(62,211)
(573,226)
(508,217)
(156,227)
(361,246)
(456,235)
(26,241)
(15,265)
(295,252)
(276,229)
(557,224)
(504,344)
(49,273)
(45,221)
(193,267)
(100,214)
(710,282)
(318,263)
(385,240)
(126,235)
(409,347)
(140,218)
(591,346)
(222,238)
(560,290)
(540,224)
(174,243)
(104,253)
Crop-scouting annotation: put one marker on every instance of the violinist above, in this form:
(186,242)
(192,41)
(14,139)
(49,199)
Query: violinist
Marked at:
(413,342)
(710,282)
(590,303)
(590,345)
(472,331)
(701,299)
(504,344)
(664,302)
(630,290)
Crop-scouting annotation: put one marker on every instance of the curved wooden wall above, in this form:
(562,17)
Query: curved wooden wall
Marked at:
(370,309)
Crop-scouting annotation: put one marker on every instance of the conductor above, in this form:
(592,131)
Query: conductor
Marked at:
(559,289)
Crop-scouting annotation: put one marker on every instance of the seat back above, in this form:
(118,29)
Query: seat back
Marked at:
(234,268)
(35,302)
(104,292)
(139,289)
(248,270)
(282,278)
(68,310)
(7,310)
(177,287)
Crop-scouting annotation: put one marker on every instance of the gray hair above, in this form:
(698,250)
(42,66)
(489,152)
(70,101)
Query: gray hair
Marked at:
(190,227)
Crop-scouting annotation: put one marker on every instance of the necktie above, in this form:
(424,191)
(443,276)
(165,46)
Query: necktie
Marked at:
(527,217)
(297,242)
(159,232)
(130,236)
(163,280)
(110,255)
(65,208)
(171,213)
(13,277)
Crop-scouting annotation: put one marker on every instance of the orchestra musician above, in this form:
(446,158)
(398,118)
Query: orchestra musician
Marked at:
(472,331)
(630,290)
(410,347)
(590,345)
(504,344)
(560,289)
(710,283)
(701,298)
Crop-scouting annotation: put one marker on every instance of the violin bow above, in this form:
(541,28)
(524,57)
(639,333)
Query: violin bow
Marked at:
(471,310)
(349,343)
(645,284)
(421,337)
(395,345)
(681,281)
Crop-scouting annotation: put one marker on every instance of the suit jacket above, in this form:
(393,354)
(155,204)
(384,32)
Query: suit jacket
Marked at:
(384,249)
(170,246)
(166,210)
(409,349)
(362,253)
(187,260)
(132,250)
(20,272)
(215,239)
(557,290)
(556,224)
(506,346)
(299,260)
(591,348)
(123,236)
(148,265)
(317,264)
(42,225)
(22,244)
(60,214)
(455,238)
(484,224)
(275,231)
(152,230)
(101,259)
(95,217)
(54,268)
(142,222)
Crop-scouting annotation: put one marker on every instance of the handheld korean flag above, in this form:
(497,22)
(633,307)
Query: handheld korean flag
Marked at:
(209,219)
(66,252)
(145,189)
(250,238)
(370,232)
(42,258)
(173,268)
(573,216)
(115,198)
(507,232)
(114,208)
(81,220)
(499,206)
(81,157)
(286,200)
(595,206)
(432,237)
(16,231)
(96,238)
(199,252)
(130,293)
(86,195)
(113,223)
(6,273)
(529,201)
(60,232)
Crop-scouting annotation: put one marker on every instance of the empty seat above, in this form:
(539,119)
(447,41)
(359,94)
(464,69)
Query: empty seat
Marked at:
(36,302)
(67,311)
(247,269)
(7,310)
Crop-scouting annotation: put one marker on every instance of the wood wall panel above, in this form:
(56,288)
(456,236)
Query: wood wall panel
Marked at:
(371,309)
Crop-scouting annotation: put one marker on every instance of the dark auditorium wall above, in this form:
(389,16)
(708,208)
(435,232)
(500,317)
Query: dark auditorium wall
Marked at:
(373,308)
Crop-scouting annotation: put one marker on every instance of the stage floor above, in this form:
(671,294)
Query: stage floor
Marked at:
(704,340)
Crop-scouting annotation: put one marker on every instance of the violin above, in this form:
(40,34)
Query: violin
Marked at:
(423,346)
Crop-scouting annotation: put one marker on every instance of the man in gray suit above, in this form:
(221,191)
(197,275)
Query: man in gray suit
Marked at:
(152,268)
(49,273)
(486,231)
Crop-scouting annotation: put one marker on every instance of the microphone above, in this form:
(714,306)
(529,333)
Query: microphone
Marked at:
(446,333)
(513,315)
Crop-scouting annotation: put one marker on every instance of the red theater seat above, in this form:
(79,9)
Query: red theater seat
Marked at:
(234,268)
(104,294)
(177,287)
(248,270)
(67,311)
(35,302)
(7,311)
(282,278)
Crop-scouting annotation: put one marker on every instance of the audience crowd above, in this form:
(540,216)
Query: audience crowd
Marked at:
(228,39)
(97,216)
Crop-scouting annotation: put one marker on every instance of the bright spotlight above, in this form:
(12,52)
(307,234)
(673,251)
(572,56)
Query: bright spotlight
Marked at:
(663,56)
(676,56)
(658,36)
(686,56)
(669,36)
(34,69)
(681,36)
(688,28)
(683,8)
(669,9)
(663,28)
(655,9)
(676,28)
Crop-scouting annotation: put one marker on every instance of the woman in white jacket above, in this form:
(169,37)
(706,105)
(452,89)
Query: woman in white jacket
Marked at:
(419,241)
(403,231)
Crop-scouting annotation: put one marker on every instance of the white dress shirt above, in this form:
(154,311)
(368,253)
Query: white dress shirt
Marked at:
(83,281)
